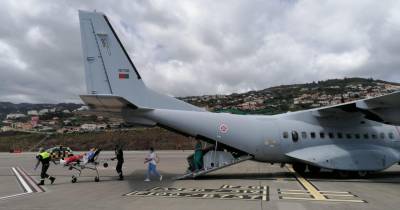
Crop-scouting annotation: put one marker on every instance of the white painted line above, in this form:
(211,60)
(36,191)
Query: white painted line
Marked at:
(12,196)
(30,180)
(264,195)
(284,190)
(294,193)
(22,181)
(340,195)
(339,192)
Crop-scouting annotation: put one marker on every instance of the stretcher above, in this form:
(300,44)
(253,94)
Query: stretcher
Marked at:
(83,162)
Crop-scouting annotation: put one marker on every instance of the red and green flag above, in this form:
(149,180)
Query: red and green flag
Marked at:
(123,73)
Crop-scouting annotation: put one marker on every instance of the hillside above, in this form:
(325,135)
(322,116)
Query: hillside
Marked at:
(133,139)
(71,129)
(284,98)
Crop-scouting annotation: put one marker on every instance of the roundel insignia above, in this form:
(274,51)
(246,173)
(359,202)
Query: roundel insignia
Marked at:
(223,128)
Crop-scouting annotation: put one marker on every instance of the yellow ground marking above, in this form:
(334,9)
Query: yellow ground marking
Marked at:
(308,186)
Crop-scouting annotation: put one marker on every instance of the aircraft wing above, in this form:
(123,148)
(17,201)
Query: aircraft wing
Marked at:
(384,109)
(351,157)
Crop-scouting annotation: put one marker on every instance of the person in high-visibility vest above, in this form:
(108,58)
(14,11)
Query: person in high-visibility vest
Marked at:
(44,158)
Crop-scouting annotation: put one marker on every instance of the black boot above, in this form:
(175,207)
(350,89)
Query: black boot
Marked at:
(41,182)
(121,177)
(52,179)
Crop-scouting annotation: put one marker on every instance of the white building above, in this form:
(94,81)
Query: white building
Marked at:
(6,128)
(43,111)
(66,111)
(15,116)
(83,108)
(88,127)
(33,112)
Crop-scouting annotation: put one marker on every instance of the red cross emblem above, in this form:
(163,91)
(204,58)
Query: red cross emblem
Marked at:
(223,128)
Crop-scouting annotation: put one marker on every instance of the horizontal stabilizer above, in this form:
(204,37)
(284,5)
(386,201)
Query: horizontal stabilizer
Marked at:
(107,103)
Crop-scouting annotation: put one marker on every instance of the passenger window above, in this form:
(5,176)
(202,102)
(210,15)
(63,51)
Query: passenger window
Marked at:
(330,135)
(382,135)
(295,136)
(303,135)
(348,135)
(322,135)
(374,136)
(312,134)
(285,135)
(357,135)
(340,135)
(366,136)
(391,136)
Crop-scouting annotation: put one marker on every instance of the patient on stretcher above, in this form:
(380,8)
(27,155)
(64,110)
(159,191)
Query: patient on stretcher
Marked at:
(85,158)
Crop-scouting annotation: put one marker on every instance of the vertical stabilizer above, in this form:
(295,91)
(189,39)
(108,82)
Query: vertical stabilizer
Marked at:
(109,69)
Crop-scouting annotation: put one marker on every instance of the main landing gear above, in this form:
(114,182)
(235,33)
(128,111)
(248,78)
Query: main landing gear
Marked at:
(306,169)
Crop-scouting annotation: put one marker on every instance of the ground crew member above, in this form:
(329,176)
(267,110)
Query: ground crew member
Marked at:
(44,158)
(198,156)
(119,155)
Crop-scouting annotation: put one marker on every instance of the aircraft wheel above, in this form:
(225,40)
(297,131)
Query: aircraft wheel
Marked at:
(344,174)
(362,174)
(96,179)
(314,169)
(299,167)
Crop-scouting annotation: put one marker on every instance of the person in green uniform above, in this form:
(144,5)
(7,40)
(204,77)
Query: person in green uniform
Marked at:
(44,158)
(198,156)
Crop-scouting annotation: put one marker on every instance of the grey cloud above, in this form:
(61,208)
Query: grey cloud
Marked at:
(200,47)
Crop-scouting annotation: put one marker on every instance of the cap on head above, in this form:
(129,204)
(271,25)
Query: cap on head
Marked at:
(151,149)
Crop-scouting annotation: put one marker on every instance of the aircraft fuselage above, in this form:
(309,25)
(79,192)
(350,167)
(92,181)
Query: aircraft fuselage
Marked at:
(271,138)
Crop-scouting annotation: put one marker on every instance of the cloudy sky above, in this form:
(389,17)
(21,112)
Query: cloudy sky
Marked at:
(200,47)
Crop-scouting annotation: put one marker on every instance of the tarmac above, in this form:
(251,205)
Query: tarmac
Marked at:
(247,185)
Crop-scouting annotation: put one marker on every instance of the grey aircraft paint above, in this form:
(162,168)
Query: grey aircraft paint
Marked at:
(355,136)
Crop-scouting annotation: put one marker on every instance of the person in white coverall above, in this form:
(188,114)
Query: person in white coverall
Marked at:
(152,161)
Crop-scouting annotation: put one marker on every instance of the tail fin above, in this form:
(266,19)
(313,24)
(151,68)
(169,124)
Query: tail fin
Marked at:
(110,71)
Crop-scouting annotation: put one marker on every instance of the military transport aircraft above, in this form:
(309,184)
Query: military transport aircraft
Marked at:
(358,137)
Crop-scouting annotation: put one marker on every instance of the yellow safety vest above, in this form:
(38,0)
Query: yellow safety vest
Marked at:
(44,155)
